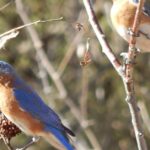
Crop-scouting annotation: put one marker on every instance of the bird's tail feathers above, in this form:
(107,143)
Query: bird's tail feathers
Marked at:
(68,131)
(58,139)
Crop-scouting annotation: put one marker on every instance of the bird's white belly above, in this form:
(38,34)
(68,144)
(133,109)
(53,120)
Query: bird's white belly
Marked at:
(142,41)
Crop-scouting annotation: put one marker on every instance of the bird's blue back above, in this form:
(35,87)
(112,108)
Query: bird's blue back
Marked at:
(33,104)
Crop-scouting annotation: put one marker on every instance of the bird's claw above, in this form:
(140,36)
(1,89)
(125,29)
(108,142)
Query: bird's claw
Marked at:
(130,32)
(126,60)
(124,55)
(34,140)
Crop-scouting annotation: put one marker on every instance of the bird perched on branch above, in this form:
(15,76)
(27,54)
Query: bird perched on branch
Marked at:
(23,106)
(122,16)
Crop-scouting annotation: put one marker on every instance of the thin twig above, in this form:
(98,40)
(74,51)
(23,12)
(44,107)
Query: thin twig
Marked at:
(84,85)
(129,81)
(84,94)
(14,32)
(6,5)
(7,143)
(29,24)
(30,143)
(43,76)
(40,51)
(71,48)
(69,54)
(129,86)
(6,38)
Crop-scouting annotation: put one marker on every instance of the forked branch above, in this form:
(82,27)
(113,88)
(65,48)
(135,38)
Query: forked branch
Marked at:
(127,73)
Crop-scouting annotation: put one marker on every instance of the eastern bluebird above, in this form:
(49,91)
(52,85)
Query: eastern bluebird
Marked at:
(23,106)
(122,16)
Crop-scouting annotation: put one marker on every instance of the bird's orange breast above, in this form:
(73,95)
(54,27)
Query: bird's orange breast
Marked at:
(122,13)
(11,109)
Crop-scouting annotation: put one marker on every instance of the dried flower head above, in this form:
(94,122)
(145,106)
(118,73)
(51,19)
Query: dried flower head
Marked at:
(7,128)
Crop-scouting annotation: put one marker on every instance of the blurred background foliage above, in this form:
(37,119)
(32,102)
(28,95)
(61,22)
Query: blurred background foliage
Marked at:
(96,89)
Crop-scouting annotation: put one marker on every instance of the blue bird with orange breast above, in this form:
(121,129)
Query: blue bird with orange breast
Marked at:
(122,16)
(23,106)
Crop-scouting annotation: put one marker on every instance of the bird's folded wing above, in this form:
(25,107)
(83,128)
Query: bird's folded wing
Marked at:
(33,104)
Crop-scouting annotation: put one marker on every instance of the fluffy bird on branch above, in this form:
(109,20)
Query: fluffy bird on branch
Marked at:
(122,16)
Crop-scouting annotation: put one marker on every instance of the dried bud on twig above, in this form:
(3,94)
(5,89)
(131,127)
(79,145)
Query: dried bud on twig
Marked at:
(7,128)
(87,55)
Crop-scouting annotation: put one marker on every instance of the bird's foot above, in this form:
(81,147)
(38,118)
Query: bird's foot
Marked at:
(33,141)
(126,59)
(130,32)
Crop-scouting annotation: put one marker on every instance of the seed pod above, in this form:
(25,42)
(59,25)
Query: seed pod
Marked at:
(7,128)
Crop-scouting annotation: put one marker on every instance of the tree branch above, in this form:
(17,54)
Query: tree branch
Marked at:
(129,81)
(4,37)
(127,74)
(6,5)
(106,49)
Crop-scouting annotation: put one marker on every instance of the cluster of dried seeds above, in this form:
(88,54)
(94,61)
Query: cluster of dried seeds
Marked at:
(7,128)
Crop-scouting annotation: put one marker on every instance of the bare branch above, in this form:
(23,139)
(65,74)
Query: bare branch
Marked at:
(30,143)
(84,94)
(5,38)
(6,5)
(101,37)
(127,75)
(43,76)
(71,48)
(29,24)
(69,54)
(129,82)
(14,32)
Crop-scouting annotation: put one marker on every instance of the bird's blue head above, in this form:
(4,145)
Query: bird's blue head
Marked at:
(6,69)
(8,75)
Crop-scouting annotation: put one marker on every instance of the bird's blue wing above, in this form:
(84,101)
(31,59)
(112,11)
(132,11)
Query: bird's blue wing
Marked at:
(33,104)
(62,137)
